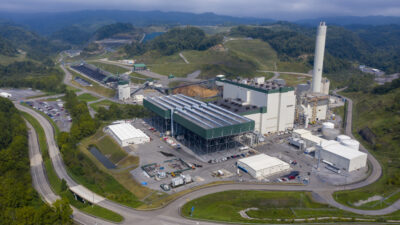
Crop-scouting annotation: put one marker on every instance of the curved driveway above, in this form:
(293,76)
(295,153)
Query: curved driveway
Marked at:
(170,214)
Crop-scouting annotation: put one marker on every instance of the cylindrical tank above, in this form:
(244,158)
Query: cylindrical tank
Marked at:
(351,143)
(219,77)
(328,125)
(330,134)
(342,137)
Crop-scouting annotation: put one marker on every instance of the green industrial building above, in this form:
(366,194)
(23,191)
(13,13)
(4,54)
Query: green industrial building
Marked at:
(203,127)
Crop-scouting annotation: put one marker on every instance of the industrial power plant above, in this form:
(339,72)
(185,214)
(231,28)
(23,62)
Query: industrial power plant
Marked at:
(245,128)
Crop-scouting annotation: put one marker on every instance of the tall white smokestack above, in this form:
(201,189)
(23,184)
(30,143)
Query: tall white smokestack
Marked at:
(319,57)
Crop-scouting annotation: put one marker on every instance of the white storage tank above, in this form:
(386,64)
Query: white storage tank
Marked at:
(330,134)
(220,76)
(328,125)
(351,143)
(342,137)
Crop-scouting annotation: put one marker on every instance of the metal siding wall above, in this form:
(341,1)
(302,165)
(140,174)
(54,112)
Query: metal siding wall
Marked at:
(286,113)
(150,106)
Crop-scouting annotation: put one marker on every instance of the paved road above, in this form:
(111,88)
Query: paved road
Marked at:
(41,183)
(276,75)
(184,58)
(170,214)
(294,73)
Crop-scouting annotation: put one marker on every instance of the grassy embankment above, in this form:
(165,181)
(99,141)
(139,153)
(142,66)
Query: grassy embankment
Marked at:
(293,80)
(272,205)
(6,60)
(86,97)
(99,89)
(121,175)
(373,111)
(114,69)
(237,58)
(55,182)
(142,78)
(97,105)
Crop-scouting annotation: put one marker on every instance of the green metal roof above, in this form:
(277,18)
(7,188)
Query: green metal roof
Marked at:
(206,120)
(139,65)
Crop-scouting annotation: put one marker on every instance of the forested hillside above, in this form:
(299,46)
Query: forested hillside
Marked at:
(31,74)
(19,202)
(6,48)
(123,29)
(36,47)
(175,40)
(34,68)
(72,34)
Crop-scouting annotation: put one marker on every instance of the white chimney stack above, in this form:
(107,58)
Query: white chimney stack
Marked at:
(319,57)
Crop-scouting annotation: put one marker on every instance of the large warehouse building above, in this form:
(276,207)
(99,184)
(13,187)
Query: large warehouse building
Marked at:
(342,153)
(203,127)
(126,134)
(343,157)
(261,166)
(271,105)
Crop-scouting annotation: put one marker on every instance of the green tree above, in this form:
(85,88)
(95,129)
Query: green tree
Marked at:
(63,211)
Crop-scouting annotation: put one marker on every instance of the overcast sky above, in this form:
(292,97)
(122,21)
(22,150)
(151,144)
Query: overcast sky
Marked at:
(275,9)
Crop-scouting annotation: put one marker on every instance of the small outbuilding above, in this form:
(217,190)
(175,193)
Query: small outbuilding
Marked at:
(262,165)
(126,134)
(139,67)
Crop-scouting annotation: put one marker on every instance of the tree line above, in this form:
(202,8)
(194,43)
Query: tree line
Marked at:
(19,202)
(83,125)
(31,74)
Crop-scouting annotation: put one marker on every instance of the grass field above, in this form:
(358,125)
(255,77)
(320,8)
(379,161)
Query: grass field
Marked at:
(104,103)
(294,80)
(373,111)
(55,182)
(114,69)
(121,176)
(107,92)
(255,50)
(86,97)
(225,206)
(236,58)
(5,60)
(271,205)
(142,79)
(110,149)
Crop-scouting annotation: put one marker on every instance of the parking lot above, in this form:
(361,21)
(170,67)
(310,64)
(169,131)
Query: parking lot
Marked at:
(19,94)
(55,110)
(157,154)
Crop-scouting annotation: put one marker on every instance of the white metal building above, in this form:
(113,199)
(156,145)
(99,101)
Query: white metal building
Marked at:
(126,134)
(124,92)
(310,139)
(261,166)
(5,95)
(276,101)
(343,157)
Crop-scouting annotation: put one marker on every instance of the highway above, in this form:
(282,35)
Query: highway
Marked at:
(170,214)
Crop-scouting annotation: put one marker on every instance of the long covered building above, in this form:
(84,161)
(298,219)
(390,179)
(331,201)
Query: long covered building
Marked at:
(203,127)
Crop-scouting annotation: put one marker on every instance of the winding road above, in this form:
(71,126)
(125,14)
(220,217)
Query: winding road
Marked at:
(170,214)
